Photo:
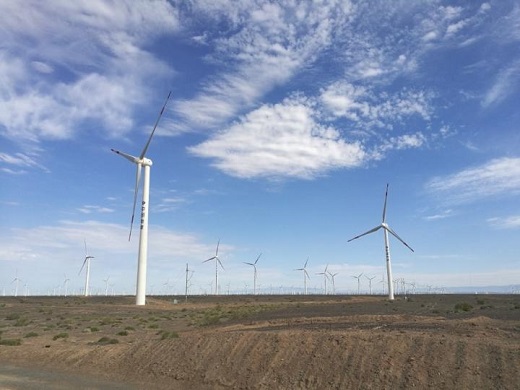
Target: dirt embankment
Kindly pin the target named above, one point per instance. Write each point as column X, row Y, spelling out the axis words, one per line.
column 294, row 345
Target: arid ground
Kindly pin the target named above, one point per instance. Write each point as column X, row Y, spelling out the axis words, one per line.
column 263, row 342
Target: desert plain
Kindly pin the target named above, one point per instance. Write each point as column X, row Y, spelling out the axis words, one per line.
column 429, row 341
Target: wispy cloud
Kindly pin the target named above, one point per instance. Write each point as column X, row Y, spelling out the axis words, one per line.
column 20, row 161
column 499, row 177
column 90, row 64
column 89, row 209
column 511, row 222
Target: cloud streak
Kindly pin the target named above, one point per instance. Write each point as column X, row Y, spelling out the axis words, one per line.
column 496, row 178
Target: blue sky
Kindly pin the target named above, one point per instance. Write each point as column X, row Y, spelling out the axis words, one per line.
column 284, row 126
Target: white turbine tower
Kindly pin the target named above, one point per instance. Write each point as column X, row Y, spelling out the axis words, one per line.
column 386, row 230
column 325, row 277
column 358, row 277
column 142, row 163
column 217, row 262
column 106, row 285
column 255, row 273
column 305, row 275
column 87, row 271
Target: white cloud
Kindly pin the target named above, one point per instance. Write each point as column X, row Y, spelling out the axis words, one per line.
column 19, row 160
column 96, row 51
column 511, row 222
column 499, row 177
column 277, row 141
column 506, row 82
column 268, row 45
column 89, row 209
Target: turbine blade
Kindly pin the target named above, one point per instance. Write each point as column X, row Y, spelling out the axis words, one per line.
column 399, row 238
column 218, row 244
column 364, row 234
column 306, row 274
column 384, row 207
column 136, row 192
column 211, row 258
column 306, row 263
column 154, row 127
column 258, row 258
column 249, row 264
column 220, row 262
column 86, row 253
column 129, row 157
column 81, row 269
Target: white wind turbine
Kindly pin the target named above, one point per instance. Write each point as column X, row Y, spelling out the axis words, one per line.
column 305, row 275
column 386, row 230
column 106, row 285
column 370, row 283
column 325, row 277
column 142, row 163
column 332, row 276
column 87, row 271
column 255, row 273
column 358, row 277
column 217, row 262
column 65, row 284
column 17, row 281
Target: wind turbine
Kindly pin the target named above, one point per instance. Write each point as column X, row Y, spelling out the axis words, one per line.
column 386, row 230
column 255, row 273
column 87, row 272
column 325, row 277
column 65, row 284
column 17, row 281
column 106, row 285
column 142, row 162
column 305, row 275
column 332, row 276
column 217, row 262
column 358, row 277
column 370, row 283
column 188, row 278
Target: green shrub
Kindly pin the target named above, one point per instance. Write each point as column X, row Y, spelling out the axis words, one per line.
column 31, row 334
column 129, row 328
column 106, row 340
column 11, row 342
column 94, row 329
column 13, row 316
column 464, row 306
column 61, row 336
column 169, row 335
column 123, row 333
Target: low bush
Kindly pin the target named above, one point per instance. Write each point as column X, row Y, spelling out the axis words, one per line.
column 31, row 334
column 463, row 306
column 61, row 336
column 11, row 342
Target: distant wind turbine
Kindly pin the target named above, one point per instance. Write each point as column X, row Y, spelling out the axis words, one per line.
column 305, row 275
column 370, row 283
column 358, row 277
column 142, row 162
column 65, row 284
column 106, row 285
column 325, row 277
column 87, row 271
column 16, row 280
column 255, row 273
column 386, row 230
column 332, row 276
column 188, row 277
column 217, row 262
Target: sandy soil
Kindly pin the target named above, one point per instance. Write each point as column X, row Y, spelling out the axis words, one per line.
column 268, row 342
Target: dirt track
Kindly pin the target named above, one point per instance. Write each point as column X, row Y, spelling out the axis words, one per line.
column 289, row 342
